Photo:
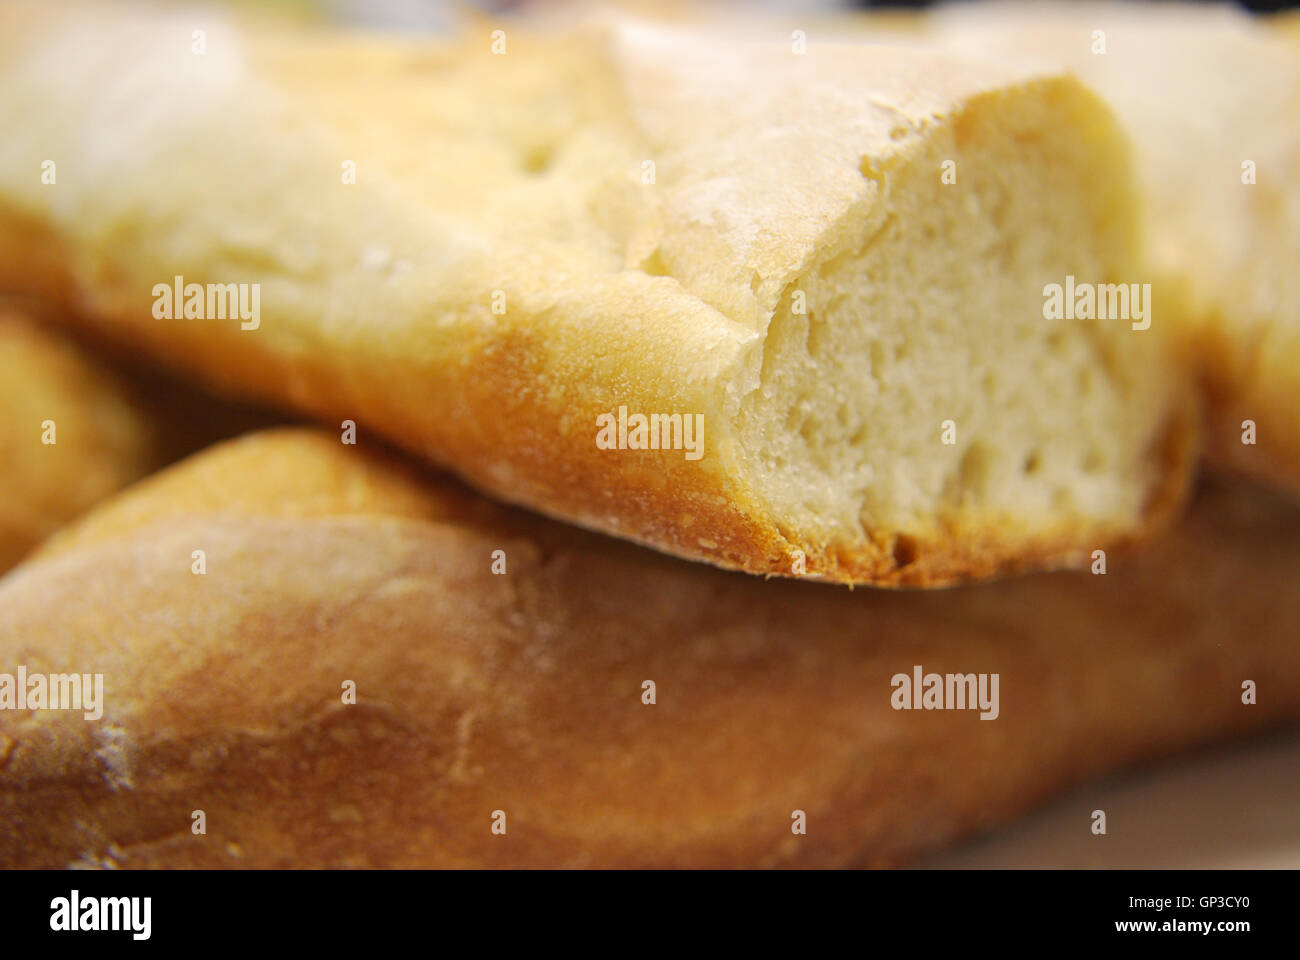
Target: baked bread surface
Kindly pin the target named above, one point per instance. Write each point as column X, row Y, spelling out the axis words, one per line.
column 72, row 432
column 523, row 691
column 79, row 423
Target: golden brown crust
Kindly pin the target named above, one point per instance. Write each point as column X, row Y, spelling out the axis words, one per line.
column 522, row 692
column 109, row 427
column 1252, row 417
column 71, row 432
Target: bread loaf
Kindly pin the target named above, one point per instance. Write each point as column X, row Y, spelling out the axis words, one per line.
column 71, row 433
column 1211, row 96
column 784, row 311
column 521, row 698
column 78, row 424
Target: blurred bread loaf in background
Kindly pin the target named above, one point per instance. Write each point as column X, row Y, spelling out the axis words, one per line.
column 77, row 425
column 71, row 433
column 608, row 706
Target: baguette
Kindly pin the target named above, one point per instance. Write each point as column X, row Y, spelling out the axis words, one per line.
column 524, row 691
column 78, row 423
column 713, row 298
column 71, row 433
column 1204, row 90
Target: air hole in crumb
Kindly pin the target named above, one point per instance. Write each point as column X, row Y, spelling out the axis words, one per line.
column 538, row 159
column 973, row 471
column 879, row 358
column 1032, row 464
column 868, row 171
column 904, row 551
column 654, row 265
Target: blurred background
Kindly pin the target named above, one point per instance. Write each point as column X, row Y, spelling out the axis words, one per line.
column 438, row 14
